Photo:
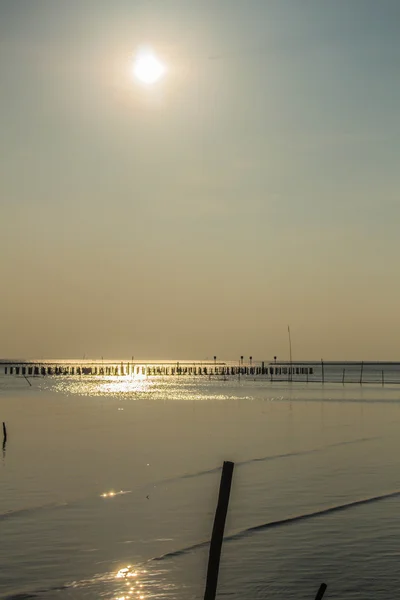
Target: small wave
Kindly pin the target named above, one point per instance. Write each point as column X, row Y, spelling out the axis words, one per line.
column 350, row 442
column 35, row 594
column 199, row 473
column 31, row 509
column 268, row 458
column 21, row 597
column 181, row 551
column 280, row 522
column 54, row 505
column 312, row 515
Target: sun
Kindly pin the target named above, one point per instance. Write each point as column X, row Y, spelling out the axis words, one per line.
column 147, row 68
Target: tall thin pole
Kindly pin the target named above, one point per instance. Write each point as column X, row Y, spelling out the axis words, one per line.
column 4, row 439
column 218, row 531
column 290, row 354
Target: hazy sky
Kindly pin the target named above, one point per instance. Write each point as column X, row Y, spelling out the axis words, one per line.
column 255, row 186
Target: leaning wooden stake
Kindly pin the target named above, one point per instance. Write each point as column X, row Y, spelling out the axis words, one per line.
column 218, row 531
column 321, row 591
column 4, row 433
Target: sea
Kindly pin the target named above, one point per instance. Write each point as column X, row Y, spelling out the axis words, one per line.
column 109, row 485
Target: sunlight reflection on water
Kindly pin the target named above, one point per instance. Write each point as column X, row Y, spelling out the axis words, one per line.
column 140, row 584
column 112, row 494
column 128, row 583
column 157, row 388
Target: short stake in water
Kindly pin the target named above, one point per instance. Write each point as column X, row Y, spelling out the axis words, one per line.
column 218, row 531
column 321, row 591
column 4, row 433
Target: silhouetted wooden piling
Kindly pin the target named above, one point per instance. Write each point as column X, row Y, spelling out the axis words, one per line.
column 218, row 531
column 4, row 433
column 321, row 591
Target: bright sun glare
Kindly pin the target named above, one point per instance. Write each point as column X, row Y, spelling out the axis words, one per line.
column 147, row 68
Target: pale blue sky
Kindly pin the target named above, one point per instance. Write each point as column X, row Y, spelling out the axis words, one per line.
column 257, row 185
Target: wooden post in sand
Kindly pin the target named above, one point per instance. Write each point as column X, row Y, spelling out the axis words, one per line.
column 4, row 433
column 218, row 531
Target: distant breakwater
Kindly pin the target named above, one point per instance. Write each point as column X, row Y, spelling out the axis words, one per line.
column 383, row 373
column 123, row 369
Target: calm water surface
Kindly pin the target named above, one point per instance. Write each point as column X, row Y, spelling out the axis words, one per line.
column 109, row 486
